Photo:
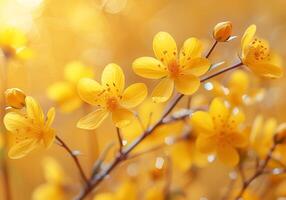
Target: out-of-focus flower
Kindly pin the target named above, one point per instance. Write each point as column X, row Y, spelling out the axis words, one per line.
column 261, row 135
column 54, row 188
column 29, row 128
column 256, row 55
column 237, row 92
column 15, row 98
column 13, row 43
column 64, row 93
column 222, row 31
column 113, row 6
column 127, row 190
column 180, row 71
column 219, row 131
column 111, row 97
column 1, row 141
column 247, row 195
column 184, row 154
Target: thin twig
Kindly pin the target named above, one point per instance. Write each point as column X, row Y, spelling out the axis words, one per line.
column 75, row 158
column 260, row 170
column 120, row 140
column 125, row 152
column 211, row 50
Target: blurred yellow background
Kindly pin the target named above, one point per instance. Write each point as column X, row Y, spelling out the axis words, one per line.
column 98, row 32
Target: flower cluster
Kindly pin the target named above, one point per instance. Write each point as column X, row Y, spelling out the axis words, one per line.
column 194, row 136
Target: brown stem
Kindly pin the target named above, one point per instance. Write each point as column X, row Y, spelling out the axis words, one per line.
column 211, row 50
column 74, row 157
column 125, row 152
column 119, row 139
column 258, row 172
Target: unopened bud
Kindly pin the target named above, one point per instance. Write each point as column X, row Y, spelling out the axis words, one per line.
column 222, row 31
column 15, row 98
column 281, row 133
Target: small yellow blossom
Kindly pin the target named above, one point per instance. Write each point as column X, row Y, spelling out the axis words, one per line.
column 179, row 71
column 256, row 54
column 110, row 97
column 127, row 190
column 29, row 128
column 184, row 155
column 261, row 135
column 15, row 98
column 64, row 93
column 237, row 91
column 13, row 43
column 54, row 188
column 218, row 131
column 222, row 31
column 154, row 193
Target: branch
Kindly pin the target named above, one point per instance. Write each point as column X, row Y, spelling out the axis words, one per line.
column 125, row 152
column 74, row 157
column 119, row 140
column 260, row 170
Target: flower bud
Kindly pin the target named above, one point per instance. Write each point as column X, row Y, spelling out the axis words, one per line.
column 222, row 31
column 15, row 98
column 281, row 133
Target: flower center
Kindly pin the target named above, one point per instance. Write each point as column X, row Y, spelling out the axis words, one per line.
column 112, row 103
column 259, row 50
column 174, row 69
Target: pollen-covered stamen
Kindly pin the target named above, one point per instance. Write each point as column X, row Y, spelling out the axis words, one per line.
column 174, row 69
column 259, row 50
column 112, row 103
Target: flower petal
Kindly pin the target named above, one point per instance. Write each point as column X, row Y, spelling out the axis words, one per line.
column 197, row 66
column 22, row 148
column 187, row 84
column 34, row 111
column 60, row 91
column 236, row 118
column 134, row 95
column 163, row 91
column 92, row 120
column 149, row 67
column 192, row 48
column 90, row 91
column 247, row 38
column 165, row 47
column 238, row 82
column 14, row 121
column 49, row 137
column 227, row 155
column 113, row 77
column 202, row 122
column 267, row 70
column 122, row 117
column 206, row 144
column 218, row 110
column 50, row 117
column 182, row 155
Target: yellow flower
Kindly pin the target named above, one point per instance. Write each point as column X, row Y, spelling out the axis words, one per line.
column 13, row 43
column 238, row 91
column 64, row 93
column 184, row 155
column 154, row 193
column 15, row 98
column 29, row 128
column 127, row 190
column 256, row 54
column 219, row 131
column 261, row 135
column 110, row 97
column 54, row 188
column 179, row 71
